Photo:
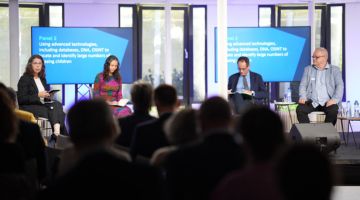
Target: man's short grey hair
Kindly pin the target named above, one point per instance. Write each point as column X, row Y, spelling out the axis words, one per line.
column 323, row 51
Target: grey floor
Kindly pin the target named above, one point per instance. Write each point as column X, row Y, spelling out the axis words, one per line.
column 348, row 153
column 347, row 160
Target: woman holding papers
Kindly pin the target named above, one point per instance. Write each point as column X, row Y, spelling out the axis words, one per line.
column 33, row 95
column 108, row 85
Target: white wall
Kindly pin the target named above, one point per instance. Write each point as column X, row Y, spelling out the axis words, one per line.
column 238, row 16
column 352, row 44
column 352, row 62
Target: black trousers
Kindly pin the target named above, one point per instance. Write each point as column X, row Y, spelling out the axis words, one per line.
column 239, row 104
column 303, row 110
column 52, row 111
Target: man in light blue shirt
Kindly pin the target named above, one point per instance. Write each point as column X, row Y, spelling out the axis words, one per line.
column 321, row 88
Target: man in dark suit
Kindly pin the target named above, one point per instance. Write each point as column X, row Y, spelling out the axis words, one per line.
column 193, row 172
column 141, row 97
column 245, row 87
column 150, row 136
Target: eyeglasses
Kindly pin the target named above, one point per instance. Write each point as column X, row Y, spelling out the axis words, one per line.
column 316, row 57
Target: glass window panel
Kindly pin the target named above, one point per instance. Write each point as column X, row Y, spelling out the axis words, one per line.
column 336, row 35
column 4, row 52
column 153, row 47
column 264, row 16
column 299, row 17
column 28, row 17
column 126, row 16
column 177, row 46
column 56, row 15
column 153, row 35
column 199, row 29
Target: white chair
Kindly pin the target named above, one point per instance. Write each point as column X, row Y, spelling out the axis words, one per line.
column 45, row 126
column 317, row 117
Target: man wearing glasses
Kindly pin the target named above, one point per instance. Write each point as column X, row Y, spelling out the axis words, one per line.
column 246, row 87
column 321, row 88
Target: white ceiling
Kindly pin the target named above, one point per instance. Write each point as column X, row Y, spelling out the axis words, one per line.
column 256, row 2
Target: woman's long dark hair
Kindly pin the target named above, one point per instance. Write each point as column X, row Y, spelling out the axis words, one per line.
column 29, row 70
column 106, row 71
column 8, row 122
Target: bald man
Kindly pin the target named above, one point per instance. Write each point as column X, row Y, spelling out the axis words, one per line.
column 321, row 88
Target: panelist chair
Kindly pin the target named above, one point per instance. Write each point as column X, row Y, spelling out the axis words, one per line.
column 317, row 117
column 45, row 126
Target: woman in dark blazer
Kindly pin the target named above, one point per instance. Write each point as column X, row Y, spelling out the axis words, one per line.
column 33, row 95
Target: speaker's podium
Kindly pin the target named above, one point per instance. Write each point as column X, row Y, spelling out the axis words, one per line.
column 323, row 135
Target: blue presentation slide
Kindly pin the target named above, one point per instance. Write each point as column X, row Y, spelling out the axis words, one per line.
column 76, row 55
column 278, row 54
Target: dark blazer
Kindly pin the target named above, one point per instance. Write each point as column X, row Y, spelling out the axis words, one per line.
column 27, row 92
column 27, row 95
column 193, row 172
column 256, row 84
column 149, row 137
column 30, row 139
column 127, row 126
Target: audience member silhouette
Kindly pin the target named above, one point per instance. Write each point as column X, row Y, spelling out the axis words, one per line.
column 91, row 127
column 150, row 136
column 193, row 172
column 14, row 184
column 141, row 97
column 180, row 130
column 101, row 175
column 305, row 173
column 30, row 139
column 263, row 135
column 100, row 172
column 21, row 114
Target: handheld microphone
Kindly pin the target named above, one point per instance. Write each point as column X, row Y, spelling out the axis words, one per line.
column 308, row 102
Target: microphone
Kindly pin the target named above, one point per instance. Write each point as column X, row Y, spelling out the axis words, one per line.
column 308, row 102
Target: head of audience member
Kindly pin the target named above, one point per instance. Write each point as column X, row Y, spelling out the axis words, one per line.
column 262, row 132
column 35, row 66
column 8, row 122
column 243, row 65
column 165, row 99
column 320, row 57
column 111, row 68
column 141, row 96
column 12, row 95
column 92, row 124
column 305, row 173
column 214, row 114
column 181, row 128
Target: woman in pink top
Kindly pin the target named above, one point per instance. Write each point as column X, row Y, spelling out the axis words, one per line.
column 108, row 85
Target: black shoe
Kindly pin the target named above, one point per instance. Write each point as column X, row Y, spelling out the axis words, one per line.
column 52, row 140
